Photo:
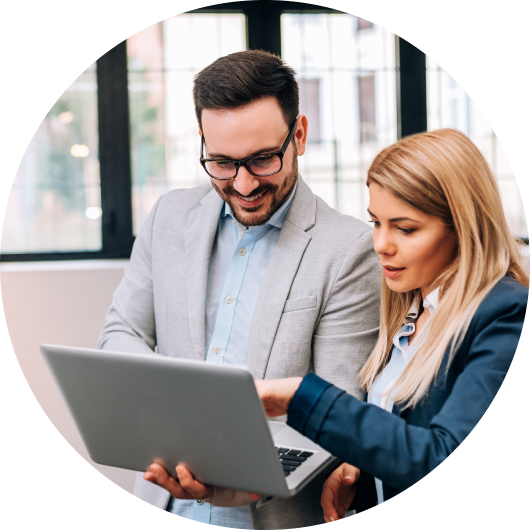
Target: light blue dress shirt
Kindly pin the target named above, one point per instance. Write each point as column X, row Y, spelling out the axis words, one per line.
column 401, row 355
column 238, row 263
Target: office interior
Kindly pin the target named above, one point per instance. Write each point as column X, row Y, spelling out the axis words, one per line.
column 125, row 132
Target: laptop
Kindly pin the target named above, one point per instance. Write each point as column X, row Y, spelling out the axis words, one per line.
column 135, row 409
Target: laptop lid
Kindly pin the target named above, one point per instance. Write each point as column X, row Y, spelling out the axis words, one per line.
column 135, row 409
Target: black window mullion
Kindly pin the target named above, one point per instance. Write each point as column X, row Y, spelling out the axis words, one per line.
column 263, row 26
column 411, row 89
column 114, row 152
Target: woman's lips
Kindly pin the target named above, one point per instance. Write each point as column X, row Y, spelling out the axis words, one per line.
column 392, row 272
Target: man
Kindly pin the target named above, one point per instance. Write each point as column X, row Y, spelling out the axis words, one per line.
column 257, row 270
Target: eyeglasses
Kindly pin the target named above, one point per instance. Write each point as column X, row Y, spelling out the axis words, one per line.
column 263, row 165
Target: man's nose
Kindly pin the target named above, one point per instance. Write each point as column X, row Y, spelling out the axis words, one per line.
column 245, row 182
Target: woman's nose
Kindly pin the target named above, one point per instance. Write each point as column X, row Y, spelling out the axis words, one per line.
column 383, row 242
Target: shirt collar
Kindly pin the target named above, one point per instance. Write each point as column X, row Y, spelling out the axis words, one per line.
column 430, row 302
column 277, row 218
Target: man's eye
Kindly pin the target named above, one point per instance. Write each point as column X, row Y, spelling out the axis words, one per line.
column 223, row 165
column 262, row 161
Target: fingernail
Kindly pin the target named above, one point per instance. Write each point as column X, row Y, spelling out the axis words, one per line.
column 348, row 477
column 154, row 470
column 179, row 471
column 331, row 519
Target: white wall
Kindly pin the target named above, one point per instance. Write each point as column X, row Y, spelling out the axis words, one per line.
column 59, row 303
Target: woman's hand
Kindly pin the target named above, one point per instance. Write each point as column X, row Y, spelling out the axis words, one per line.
column 276, row 394
column 339, row 491
column 188, row 487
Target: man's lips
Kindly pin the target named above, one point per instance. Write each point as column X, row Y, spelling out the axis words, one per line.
column 255, row 200
column 392, row 272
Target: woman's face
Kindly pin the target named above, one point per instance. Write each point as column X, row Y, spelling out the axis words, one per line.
column 413, row 247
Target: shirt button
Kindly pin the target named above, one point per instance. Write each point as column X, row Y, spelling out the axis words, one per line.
column 199, row 501
column 217, row 349
column 234, row 222
column 242, row 251
column 229, row 299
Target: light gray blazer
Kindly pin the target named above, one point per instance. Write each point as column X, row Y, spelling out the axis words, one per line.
column 317, row 308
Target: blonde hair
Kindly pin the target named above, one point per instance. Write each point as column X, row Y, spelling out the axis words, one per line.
column 442, row 173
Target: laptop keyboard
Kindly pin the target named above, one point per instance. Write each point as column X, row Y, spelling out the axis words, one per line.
column 291, row 458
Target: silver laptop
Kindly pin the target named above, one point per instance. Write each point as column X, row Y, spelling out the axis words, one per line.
column 135, row 409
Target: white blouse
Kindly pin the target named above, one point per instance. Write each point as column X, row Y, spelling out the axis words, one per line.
column 401, row 354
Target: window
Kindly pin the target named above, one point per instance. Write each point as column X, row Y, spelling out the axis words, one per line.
column 125, row 132
column 367, row 125
column 363, row 24
column 478, row 85
column 164, row 137
column 310, row 106
column 55, row 201
column 339, row 69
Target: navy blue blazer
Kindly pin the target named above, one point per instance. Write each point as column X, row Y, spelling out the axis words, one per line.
column 402, row 447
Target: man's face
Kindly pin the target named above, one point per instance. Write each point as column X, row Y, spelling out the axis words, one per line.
column 246, row 131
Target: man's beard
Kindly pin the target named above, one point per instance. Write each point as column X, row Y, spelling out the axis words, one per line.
column 279, row 196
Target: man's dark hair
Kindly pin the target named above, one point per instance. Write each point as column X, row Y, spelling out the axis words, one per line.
column 243, row 77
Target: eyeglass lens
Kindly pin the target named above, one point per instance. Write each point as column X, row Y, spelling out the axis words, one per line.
column 262, row 166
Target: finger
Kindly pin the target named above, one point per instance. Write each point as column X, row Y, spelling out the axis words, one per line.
column 350, row 474
column 195, row 488
column 164, row 480
column 149, row 477
column 328, row 501
column 344, row 499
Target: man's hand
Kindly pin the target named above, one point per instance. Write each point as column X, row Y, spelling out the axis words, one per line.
column 339, row 491
column 276, row 394
column 188, row 487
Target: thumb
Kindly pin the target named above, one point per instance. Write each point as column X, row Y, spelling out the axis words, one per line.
column 347, row 479
column 350, row 474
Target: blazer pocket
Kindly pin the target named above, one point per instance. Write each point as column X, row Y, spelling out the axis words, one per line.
column 298, row 304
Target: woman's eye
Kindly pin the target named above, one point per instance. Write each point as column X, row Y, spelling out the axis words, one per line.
column 376, row 223
column 407, row 231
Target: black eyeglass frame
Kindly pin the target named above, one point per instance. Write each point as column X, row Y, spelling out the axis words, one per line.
column 244, row 161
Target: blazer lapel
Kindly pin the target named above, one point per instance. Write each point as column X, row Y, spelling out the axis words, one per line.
column 200, row 235
column 278, row 279
column 398, row 410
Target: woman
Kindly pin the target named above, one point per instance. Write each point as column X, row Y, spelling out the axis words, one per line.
column 454, row 297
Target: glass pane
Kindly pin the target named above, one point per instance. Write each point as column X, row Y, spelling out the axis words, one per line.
column 487, row 97
column 55, row 202
column 163, row 60
column 347, row 76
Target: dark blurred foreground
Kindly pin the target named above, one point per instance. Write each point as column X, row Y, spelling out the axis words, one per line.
column 36, row 491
